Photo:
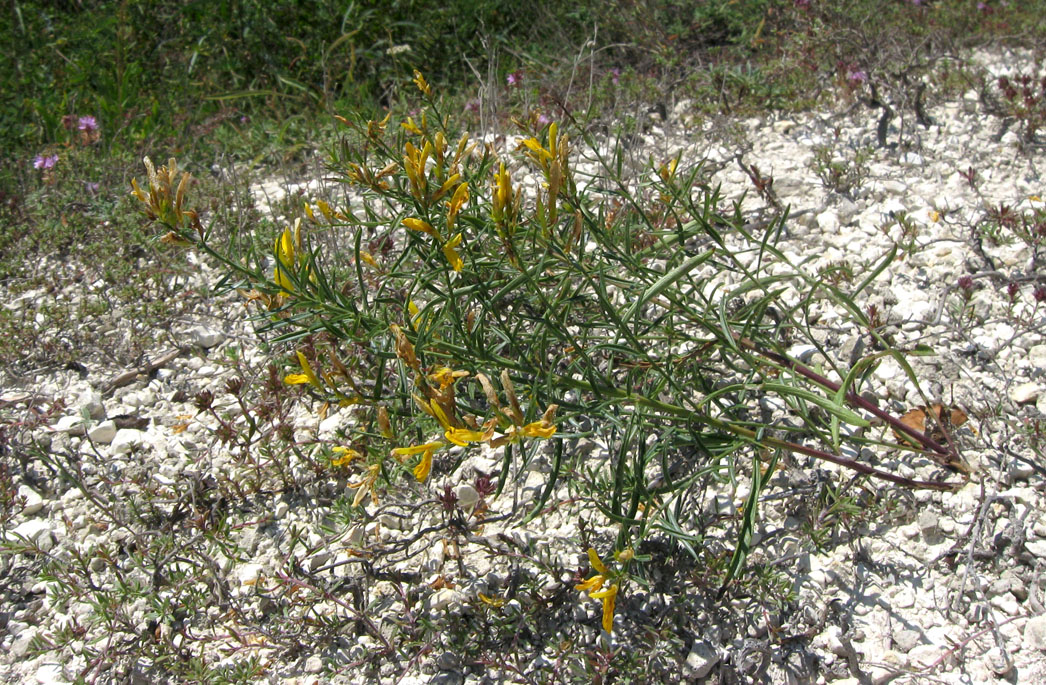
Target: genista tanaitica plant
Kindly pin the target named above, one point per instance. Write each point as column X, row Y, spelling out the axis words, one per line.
column 459, row 305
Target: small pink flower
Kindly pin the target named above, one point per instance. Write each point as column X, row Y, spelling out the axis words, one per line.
column 543, row 120
column 87, row 124
column 615, row 76
column 856, row 76
column 515, row 78
column 45, row 161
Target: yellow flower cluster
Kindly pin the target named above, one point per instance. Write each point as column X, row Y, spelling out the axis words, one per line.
column 165, row 202
column 604, row 585
column 437, row 400
column 555, row 164
column 328, row 385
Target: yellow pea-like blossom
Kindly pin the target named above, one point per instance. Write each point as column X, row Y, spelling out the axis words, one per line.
column 424, row 466
column 594, row 587
column 609, row 598
column 421, row 226
column 502, row 201
column 346, row 455
column 457, row 201
column 287, row 246
column 444, row 376
column 451, row 253
column 307, row 375
column 464, row 436
column 445, row 188
column 422, row 84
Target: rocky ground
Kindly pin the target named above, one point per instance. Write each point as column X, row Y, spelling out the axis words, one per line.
column 935, row 587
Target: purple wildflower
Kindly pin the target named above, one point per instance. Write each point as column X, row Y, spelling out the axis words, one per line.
column 856, row 76
column 45, row 161
column 615, row 75
column 88, row 124
column 543, row 120
column 515, row 78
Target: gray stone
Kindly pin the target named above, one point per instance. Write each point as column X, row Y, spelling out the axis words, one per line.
column 468, row 497
column 444, row 599
column 127, row 439
column 102, row 433
column 205, row 337
column 906, row 640
column 68, row 423
column 36, row 531
column 702, row 659
column 91, row 402
column 928, row 523
column 1035, row 633
column 1037, row 356
column 33, row 502
column 1025, row 393
column 828, row 221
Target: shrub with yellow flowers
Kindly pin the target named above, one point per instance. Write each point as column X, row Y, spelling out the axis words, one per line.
column 479, row 315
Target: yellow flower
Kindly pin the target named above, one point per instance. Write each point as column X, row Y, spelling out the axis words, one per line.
column 308, row 376
column 597, row 563
column 444, row 376
column 410, row 126
column 609, row 597
column 543, row 428
column 287, row 245
column 347, row 455
column 375, row 129
column 463, row 436
column 440, row 415
column 502, row 195
column 424, row 466
column 460, row 197
column 447, row 185
column 422, row 85
column 539, row 429
column 594, row 587
column 421, row 226
column 451, row 253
